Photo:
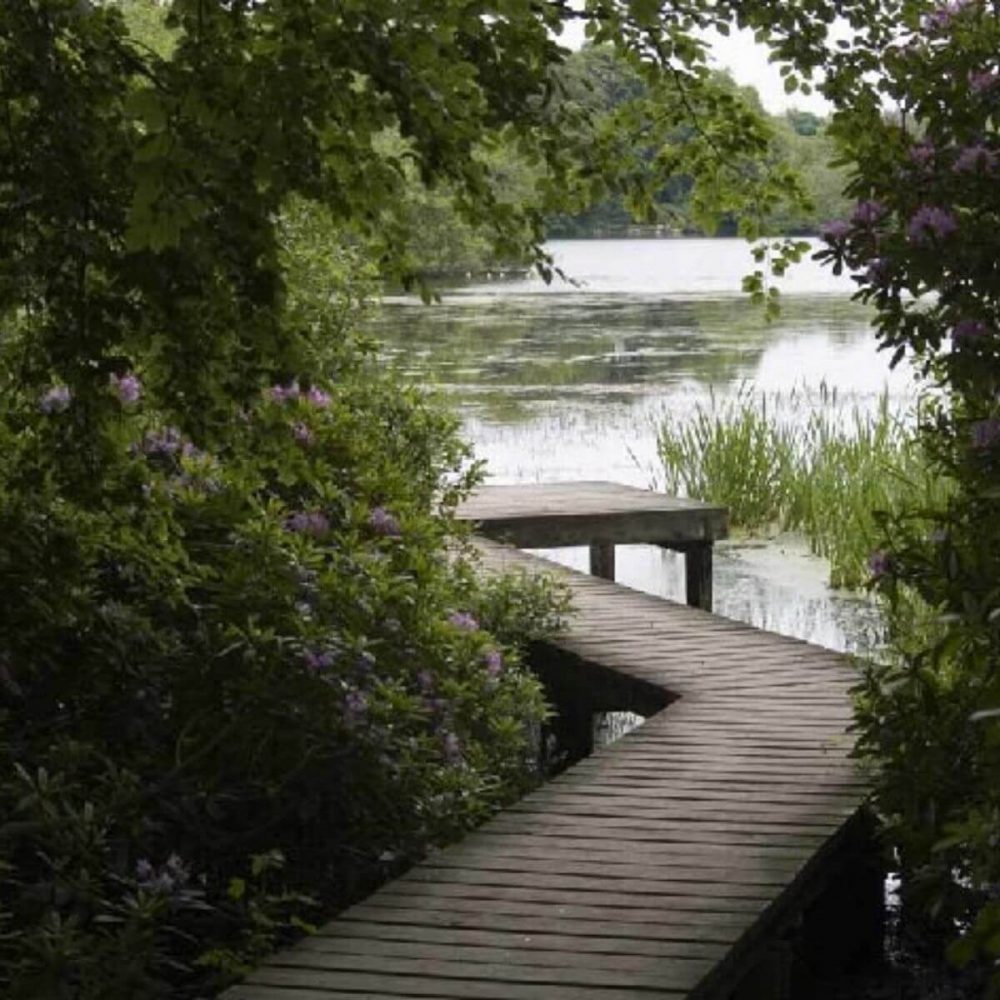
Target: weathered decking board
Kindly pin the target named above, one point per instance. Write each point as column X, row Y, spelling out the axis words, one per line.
column 650, row 869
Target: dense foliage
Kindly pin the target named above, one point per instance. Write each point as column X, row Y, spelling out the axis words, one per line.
column 242, row 653
column 922, row 244
column 602, row 81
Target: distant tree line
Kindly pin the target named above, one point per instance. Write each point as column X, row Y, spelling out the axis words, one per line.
column 601, row 84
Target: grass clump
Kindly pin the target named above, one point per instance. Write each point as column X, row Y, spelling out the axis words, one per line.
column 805, row 462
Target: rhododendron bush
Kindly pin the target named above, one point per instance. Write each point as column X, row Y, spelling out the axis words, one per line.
column 247, row 667
column 922, row 132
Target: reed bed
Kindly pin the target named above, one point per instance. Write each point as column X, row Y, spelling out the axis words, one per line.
column 805, row 462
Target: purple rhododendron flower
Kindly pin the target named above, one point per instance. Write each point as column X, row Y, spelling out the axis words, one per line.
column 355, row 708
column 494, row 663
column 176, row 867
column 982, row 81
column 452, row 748
column 922, row 153
column 127, row 387
column 383, row 523
column 464, row 621
column 877, row 272
column 941, row 17
column 312, row 523
column 879, row 563
column 164, row 880
column 167, row 442
column 985, row 433
column 283, row 393
column 302, row 433
column 318, row 398
column 317, row 661
column 867, row 213
column 973, row 158
column 56, row 399
column 426, row 681
column 931, row 221
column 836, row 231
column 967, row 330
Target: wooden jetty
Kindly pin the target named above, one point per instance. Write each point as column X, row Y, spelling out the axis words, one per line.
column 720, row 850
column 602, row 515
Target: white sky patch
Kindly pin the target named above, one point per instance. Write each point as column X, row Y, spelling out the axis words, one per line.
column 747, row 61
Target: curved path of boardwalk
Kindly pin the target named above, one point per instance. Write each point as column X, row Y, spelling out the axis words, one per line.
column 664, row 865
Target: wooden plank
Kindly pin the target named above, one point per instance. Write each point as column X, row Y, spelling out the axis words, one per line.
column 724, row 883
column 604, row 849
column 709, row 912
column 569, row 955
column 526, row 943
column 468, row 965
column 550, row 920
column 678, row 896
column 374, row 984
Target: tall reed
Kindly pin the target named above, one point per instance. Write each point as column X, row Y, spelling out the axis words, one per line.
column 800, row 461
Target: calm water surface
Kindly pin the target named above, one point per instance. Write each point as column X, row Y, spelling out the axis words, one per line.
column 568, row 381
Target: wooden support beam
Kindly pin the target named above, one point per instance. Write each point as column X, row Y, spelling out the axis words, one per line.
column 602, row 560
column 698, row 574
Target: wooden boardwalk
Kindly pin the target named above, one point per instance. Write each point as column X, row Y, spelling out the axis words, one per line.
column 665, row 865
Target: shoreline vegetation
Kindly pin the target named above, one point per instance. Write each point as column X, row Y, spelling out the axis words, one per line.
column 807, row 462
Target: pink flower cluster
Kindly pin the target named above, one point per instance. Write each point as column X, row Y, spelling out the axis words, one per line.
column 930, row 221
column 316, row 661
column 941, row 17
column 55, row 399
column 383, row 523
column 126, row 387
column 165, row 442
column 836, row 231
column 463, row 621
column 867, row 213
column 985, row 433
column 312, row 523
column 291, row 393
column 976, row 158
column 494, row 663
column 982, row 81
column 968, row 331
column 922, row 154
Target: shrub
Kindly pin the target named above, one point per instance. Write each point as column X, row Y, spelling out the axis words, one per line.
column 922, row 245
column 245, row 656
column 213, row 656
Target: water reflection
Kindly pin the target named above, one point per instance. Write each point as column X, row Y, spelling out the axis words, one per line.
column 558, row 382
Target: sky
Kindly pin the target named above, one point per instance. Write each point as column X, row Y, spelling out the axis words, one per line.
column 747, row 62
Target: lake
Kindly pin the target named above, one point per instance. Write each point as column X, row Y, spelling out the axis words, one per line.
column 567, row 381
